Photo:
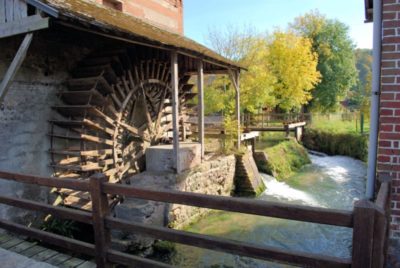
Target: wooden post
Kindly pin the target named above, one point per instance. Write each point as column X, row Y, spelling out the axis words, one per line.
column 175, row 107
column 100, row 210
column 363, row 234
column 235, row 80
column 14, row 66
column 380, row 233
column 200, row 87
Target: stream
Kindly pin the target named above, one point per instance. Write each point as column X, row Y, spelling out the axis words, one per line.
column 329, row 182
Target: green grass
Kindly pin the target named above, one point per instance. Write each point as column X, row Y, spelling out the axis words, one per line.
column 339, row 123
column 285, row 156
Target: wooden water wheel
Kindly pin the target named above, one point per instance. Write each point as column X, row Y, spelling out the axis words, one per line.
column 115, row 106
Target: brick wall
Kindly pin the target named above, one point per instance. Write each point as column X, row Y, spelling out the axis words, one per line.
column 389, row 119
column 167, row 14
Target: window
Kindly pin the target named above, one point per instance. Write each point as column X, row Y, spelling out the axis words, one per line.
column 114, row 4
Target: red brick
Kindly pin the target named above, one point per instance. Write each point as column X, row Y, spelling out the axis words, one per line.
column 389, row 79
column 388, row 64
column 389, row 136
column 387, row 48
column 382, row 151
column 385, row 144
column 390, row 104
column 389, row 16
column 390, row 88
column 386, row 128
column 383, row 159
column 389, row 120
column 391, row 24
column 386, row 112
column 388, row 96
column 393, row 55
column 393, row 7
column 389, row 32
column 390, row 72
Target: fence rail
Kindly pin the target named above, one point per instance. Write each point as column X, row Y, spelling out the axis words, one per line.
column 369, row 222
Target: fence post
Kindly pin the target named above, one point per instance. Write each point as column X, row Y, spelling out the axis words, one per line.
column 100, row 209
column 363, row 233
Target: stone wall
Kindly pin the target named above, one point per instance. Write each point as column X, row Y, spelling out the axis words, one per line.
column 25, row 113
column 214, row 177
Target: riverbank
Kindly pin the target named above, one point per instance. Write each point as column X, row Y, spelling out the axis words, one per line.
column 282, row 158
column 331, row 143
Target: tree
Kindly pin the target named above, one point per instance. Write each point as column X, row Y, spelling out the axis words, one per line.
column 336, row 63
column 249, row 48
column 293, row 65
column 281, row 71
column 358, row 96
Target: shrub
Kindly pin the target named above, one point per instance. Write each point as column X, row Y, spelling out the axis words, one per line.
column 348, row 144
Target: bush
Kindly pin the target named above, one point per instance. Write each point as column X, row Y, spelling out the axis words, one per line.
column 348, row 144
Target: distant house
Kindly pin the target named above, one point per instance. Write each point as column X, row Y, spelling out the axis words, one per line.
column 388, row 146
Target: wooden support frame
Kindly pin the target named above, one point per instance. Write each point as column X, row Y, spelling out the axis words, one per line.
column 14, row 66
column 200, row 94
column 23, row 25
column 234, row 76
column 175, row 107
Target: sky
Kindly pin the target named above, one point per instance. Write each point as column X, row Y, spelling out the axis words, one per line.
column 267, row 15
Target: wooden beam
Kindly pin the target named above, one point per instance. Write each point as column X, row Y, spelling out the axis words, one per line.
column 25, row 25
column 14, row 67
column 200, row 94
column 175, row 107
column 2, row 11
column 234, row 75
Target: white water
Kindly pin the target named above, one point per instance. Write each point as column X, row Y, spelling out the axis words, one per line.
column 331, row 182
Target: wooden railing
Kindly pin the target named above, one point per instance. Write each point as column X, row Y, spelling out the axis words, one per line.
column 369, row 222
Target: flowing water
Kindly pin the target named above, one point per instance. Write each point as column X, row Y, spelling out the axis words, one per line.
column 329, row 182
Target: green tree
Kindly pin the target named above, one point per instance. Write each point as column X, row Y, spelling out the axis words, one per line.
column 293, row 65
column 336, row 63
column 358, row 96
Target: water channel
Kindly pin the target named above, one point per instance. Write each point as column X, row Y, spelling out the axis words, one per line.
column 330, row 182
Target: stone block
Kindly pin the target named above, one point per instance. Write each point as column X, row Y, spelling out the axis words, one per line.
column 160, row 158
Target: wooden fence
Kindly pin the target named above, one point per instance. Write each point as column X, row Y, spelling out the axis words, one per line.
column 369, row 221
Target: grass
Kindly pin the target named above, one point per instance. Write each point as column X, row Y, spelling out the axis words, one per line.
column 339, row 123
column 285, row 156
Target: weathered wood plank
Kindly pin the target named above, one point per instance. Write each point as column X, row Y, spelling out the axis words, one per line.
column 363, row 234
column 22, row 247
column 200, row 110
column 9, row 8
column 2, row 11
column 43, row 181
column 231, row 246
column 11, row 243
column 58, row 240
column 72, row 262
column 23, row 8
column 32, row 251
column 44, row 255
column 4, row 238
column 53, row 210
column 133, row 261
column 23, row 25
column 14, row 66
column 175, row 108
column 58, row 259
column 100, row 210
column 87, row 264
